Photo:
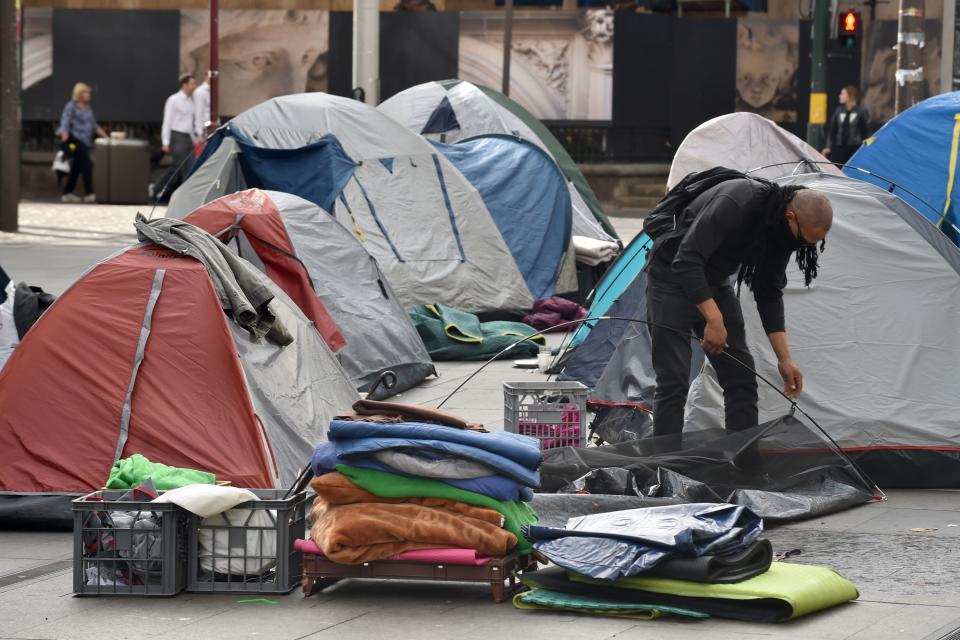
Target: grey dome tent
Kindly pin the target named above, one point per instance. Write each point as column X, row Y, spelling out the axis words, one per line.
column 408, row 205
column 454, row 110
column 308, row 254
column 875, row 334
column 747, row 142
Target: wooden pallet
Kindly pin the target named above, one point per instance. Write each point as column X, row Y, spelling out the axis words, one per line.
column 320, row 573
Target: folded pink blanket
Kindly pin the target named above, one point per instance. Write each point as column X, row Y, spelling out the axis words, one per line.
column 465, row 557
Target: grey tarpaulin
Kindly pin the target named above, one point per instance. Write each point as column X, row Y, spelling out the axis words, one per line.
column 782, row 469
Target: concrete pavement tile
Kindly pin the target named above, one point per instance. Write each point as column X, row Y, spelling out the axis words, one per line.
column 903, row 522
column 911, row 622
column 10, row 566
column 939, row 500
column 842, row 521
column 39, row 545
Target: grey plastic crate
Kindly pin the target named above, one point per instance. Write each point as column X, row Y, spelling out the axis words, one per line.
column 552, row 412
column 128, row 548
column 251, row 548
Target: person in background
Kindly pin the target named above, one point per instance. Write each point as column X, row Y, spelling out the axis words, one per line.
column 201, row 105
column 849, row 127
column 78, row 128
column 179, row 131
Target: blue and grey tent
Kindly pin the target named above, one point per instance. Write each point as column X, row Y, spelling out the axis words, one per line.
column 409, row 206
column 875, row 335
column 915, row 156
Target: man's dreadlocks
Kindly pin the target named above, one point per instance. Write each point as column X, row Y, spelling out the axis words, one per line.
column 774, row 228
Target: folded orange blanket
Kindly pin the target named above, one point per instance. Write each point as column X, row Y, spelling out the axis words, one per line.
column 351, row 525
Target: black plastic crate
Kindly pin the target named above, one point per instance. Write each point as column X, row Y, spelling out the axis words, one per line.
column 249, row 548
column 128, row 548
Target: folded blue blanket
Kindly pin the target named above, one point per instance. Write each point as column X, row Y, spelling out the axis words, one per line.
column 523, row 450
column 353, row 449
column 325, row 459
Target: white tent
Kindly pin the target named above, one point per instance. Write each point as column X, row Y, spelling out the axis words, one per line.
column 745, row 141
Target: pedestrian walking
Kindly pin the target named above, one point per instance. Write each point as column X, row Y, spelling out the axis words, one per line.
column 78, row 128
column 179, row 132
column 849, row 127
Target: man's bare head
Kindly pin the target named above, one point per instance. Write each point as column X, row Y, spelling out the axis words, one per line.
column 810, row 215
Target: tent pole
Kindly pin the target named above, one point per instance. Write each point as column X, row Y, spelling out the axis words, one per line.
column 507, row 45
column 213, row 75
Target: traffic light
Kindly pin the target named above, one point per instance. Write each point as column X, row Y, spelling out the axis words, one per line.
column 848, row 30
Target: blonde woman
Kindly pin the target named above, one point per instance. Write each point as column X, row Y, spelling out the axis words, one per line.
column 78, row 127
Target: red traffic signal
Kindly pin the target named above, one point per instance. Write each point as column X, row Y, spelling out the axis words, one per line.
column 848, row 29
column 849, row 22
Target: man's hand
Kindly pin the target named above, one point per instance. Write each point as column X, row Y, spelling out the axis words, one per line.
column 64, row 136
column 714, row 336
column 166, row 148
column 792, row 378
column 826, row 151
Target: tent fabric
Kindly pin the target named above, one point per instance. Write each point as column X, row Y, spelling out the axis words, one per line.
column 762, row 148
column 326, row 270
column 475, row 110
column 915, row 155
column 527, row 196
column 421, row 219
column 883, row 304
column 546, row 600
column 63, row 408
column 782, row 470
column 884, row 299
column 283, row 170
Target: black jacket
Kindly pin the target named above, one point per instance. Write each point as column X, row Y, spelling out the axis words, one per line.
column 848, row 128
column 717, row 242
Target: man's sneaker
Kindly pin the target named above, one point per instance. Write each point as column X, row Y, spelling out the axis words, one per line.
column 90, row 197
column 71, row 198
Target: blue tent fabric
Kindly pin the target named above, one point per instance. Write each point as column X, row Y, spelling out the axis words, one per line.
column 317, row 172
column 527, row 195
column 913, row 152
column 443, row 119
column 615, row 282
column 387, row 164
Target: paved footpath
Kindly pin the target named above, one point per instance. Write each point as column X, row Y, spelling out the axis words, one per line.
column 908, row 580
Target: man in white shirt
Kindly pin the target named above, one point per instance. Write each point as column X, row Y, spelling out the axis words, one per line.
column 179, row 132
column 201, row 104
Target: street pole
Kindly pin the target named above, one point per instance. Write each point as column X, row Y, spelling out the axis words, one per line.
column 9, row 114
column 507, row 44
column 816, row 127
column 910, row 41
column 213, row 75
column 366, row 49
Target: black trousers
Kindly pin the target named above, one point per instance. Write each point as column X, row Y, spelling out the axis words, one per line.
column 671, row 351
column 80, row 166
column 181, row 156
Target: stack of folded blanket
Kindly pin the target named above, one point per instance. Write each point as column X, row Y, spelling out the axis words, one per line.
column 696, row 560
column 398, row 478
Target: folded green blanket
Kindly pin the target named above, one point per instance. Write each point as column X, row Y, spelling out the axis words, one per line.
column 390, row 485
column 546, row 600
column 452, row 334
column 131, row 472
column 802, row 589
